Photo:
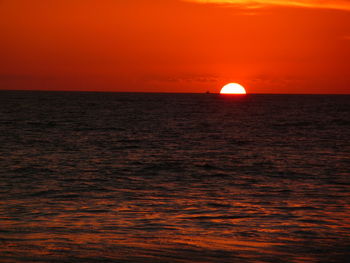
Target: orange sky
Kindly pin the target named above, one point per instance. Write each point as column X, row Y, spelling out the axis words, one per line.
column 272, row 46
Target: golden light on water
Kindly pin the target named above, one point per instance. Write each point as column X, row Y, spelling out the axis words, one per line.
column 233, row 88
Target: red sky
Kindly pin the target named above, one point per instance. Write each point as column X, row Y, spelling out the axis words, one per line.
column 271, row 46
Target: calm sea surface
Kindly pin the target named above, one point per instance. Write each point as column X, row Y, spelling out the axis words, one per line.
column 122, row 177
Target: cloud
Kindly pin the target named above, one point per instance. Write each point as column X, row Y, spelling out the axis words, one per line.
column 324, row 4
column 182, row 78
column 8, row 77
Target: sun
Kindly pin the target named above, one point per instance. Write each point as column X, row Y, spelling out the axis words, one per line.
column 233, row 88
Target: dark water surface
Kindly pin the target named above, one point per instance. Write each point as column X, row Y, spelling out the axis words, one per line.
column 108, row 177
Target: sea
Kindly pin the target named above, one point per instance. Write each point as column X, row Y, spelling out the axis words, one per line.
column 174, row 178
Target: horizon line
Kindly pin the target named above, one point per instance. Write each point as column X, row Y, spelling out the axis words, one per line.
column 168, row 92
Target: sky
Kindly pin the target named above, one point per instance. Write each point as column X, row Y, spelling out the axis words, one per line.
column 272, row 46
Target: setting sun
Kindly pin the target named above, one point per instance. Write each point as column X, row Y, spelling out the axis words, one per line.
column 233, row 88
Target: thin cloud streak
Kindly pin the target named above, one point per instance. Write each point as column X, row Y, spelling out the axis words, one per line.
column 324, row 4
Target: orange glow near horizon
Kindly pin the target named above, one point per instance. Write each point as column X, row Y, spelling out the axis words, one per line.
column 233, row 88
column 274, row 46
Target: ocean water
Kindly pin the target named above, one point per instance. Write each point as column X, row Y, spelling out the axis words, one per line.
column 132, row 177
